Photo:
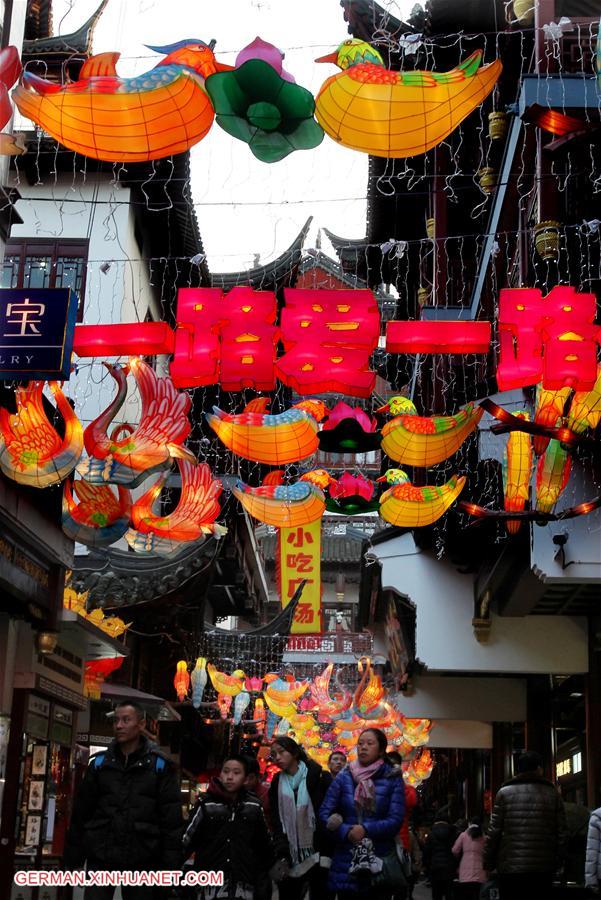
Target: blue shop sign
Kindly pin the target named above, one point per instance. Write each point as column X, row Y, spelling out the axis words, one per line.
column 37, row 328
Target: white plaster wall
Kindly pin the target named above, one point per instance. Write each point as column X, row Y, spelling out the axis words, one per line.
column 486, row 699
column 461, row 734
column 444, row 600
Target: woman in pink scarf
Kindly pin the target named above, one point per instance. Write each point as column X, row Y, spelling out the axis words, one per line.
column 366, row 800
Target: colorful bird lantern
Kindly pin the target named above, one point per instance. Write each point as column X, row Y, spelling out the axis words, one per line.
column 259, row 714
column 286, row 506
column 241, row 702
column 271, row 439
column 226, row 685
column 199, row 679
column 224, row 702
column 424, row 441
column 329, row 339
column 585, row 408
column 96, row 671
column 552, row 475
column 549, row 412
column 261, row 105
column 100, row 518
column 148, row 448
column 352, row 495
column 397, row 114
column 193, row 519
column 181, row 680
column 104, row 116
column 409, row 506
column 31, row 450
column 349, row 429
column 517, row 470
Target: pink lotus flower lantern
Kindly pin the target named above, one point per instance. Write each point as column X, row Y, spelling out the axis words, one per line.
column 260, row 49
column 343, row 411
column 352, row 486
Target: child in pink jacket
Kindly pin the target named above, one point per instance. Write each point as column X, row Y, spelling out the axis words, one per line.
column 469, row 848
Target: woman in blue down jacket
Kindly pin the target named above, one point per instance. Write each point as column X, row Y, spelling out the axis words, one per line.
column 367, row 799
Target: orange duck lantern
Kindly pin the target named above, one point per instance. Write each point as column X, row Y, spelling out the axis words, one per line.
column 286, row 505
column 370, row 108
column 275, row 440
column 105, row 116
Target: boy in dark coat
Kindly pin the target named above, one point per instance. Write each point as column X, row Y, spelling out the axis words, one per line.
column 127, row 813
column 438, row 858
column 228, row 833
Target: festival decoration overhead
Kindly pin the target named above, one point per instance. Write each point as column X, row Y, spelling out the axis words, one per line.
column 105, row 116
column 96, row 671
column 349, row 429
column 10, row 69
column 100, row 518
column 275, row 440
column 408, row 506
column 370, row 108
column 552, row 475
column 286, row 505
column 192, row 519
column 257, row 102
column 181, row 680
column 425, row 440
column 352, row 495
column 31, row 450
column 517, row 470
column 151, row 445
column 199, row 679
column 549, row 411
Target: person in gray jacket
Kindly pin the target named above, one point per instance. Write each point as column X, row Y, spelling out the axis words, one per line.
column 592, row 866
column 527, row 833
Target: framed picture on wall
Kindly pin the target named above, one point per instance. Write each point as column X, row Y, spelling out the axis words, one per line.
column 33, row 828
column 38, row 759
column 36, row 795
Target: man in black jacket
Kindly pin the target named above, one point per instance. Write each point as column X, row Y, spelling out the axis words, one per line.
column 127, row 812
column 527, row 833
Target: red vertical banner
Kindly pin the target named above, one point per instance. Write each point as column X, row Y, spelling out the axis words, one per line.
column 300, row 559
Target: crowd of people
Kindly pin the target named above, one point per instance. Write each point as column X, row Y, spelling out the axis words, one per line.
column 342, row 834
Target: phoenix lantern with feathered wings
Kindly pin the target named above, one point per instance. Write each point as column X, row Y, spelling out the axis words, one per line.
column 148, row 448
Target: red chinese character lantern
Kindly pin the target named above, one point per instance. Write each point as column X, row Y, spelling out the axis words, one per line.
column 328, row 338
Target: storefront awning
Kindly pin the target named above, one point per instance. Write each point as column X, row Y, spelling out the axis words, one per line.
column 159, row 709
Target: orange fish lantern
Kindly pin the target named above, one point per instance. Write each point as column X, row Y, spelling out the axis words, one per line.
column 408, row 506
column 286, row 506
column 193, row 519
column 151, row 445
column 275, row 440
column 100, row 518
column 517, row 469
column 419, row 769
column 105, row 116
column 425, row 440
column 181, row 680
column 31, row 450
column 370, row 108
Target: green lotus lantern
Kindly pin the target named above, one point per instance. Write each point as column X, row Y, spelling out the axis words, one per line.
column 259, row 103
